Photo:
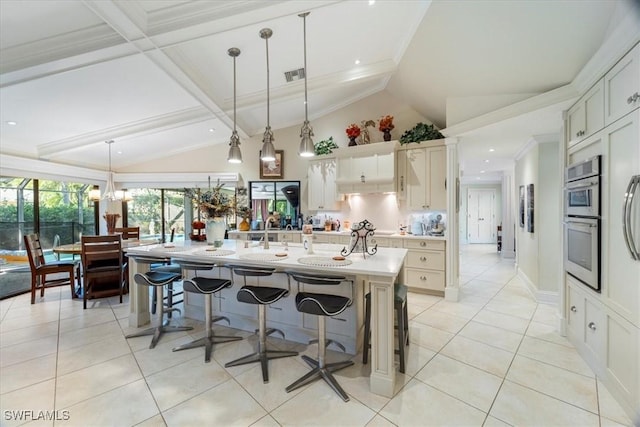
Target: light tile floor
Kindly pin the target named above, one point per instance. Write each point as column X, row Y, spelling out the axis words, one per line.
column 492, row 359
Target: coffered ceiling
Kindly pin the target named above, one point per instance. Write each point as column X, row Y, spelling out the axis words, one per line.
column 154, row 75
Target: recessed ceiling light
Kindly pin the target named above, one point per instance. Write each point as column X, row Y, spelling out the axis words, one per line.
column 486, row 161
column 211, row 130
column 491, row 150
column 12, row 123
column 357, row 61
column 481, row 171
column 372, row 2
column 119, row 152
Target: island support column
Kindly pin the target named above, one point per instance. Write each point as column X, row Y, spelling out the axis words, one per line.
column 138, row 296
column 383, row 371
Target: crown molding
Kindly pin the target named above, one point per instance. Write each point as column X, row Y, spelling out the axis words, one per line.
column 535, row 140
column 40, row 169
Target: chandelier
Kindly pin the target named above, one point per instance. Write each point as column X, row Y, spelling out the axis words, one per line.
column 110, row 192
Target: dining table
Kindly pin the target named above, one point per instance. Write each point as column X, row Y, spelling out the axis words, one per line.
column 377, row 272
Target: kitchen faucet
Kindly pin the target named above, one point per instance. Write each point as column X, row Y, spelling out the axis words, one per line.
column 267, row 226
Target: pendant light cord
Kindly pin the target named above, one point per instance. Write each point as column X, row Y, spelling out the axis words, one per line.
column 304, row 31
column 234, row 93
column 268, row 121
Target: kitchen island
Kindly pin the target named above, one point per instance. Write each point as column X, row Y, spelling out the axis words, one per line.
column 376, row 274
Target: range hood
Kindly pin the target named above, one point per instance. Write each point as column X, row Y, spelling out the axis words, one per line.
column 366, row 169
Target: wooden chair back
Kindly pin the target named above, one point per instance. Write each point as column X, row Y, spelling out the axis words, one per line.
column 128, row 232
column 34, row 251
column 102, row 260
column 40, row 269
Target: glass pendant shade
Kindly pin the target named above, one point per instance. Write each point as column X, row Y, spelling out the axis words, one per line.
column 268, row 153
column 110, row 192
column 235, row 155
column 306, row 148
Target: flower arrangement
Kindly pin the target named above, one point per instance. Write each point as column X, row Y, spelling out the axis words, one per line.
column 244, row 212
column 353, row 131
column 386, row 123
column 111, row 219
column 213, row 202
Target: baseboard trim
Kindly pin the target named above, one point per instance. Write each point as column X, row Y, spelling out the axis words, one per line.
column 541, row 297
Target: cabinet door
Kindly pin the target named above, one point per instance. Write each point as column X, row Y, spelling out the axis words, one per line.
column 436, row 178
column 416, row 179
column 595, row 328
column 575, row 123
column 622, row 87
column 594, row 108
column 401, row 178
column 621, row 274
column 575, row 311
column 623, row 360
column 322, row 186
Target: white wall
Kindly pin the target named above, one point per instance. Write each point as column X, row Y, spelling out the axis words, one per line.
column 539, row 253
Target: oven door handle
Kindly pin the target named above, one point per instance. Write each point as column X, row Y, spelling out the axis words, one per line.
column 580, row 224
column 627, row 208
column 581, row 184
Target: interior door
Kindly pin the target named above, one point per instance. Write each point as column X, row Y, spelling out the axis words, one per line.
column 480, row 216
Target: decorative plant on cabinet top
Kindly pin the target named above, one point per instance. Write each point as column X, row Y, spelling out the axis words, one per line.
column 325, row 146
column 420, row 132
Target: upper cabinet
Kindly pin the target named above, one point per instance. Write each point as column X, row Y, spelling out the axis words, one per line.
column 322, row 185
column 587, row 115
column 422, row 178
column 622, row 86
column 366, row 168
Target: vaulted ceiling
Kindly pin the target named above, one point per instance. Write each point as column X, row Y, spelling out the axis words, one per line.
column 155, row 74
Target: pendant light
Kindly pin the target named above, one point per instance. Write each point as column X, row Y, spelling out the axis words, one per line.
column 306, row 148
column 268, row 150
column 235, row 156
column 110, row 192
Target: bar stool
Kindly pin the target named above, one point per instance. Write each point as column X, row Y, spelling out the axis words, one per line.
column 402, row 318
column 261, row 296
column 321, row 305
column 158, row 279
column 205, row 286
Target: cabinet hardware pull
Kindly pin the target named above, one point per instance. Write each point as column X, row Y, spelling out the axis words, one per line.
column 423, row 259
column 338, row 318
column 423, row 244
column 573, row 308
column 592, row 326
column 633, row 98
column 423, row 278
column 275, row 308
column 402, row 183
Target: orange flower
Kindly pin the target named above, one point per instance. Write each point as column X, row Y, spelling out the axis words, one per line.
column 386, row 123
column 353, row 131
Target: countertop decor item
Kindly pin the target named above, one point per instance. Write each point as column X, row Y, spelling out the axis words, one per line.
column 325, row 146
column 214, row 202
column 111, row 219
column 364, row 124
column 360, row 234
column 420, row 132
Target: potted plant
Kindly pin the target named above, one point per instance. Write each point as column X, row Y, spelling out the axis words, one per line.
column 386, row 126
column 420, row 132
column 325, row 146
column 353, row 131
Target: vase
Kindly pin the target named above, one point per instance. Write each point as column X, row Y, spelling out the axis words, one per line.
column 215, row 230
column 386, row 134
column 352, row 141
column 244, row 225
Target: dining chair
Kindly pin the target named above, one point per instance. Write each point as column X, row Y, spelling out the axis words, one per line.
column 128, row 232
column 103, row 265
column 48, row 274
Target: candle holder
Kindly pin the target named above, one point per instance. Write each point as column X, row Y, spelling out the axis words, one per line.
column 359, row 236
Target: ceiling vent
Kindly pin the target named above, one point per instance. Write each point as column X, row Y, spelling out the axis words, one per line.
column 294, row 75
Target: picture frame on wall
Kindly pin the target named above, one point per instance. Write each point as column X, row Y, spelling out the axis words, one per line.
column 521, row 211
column 273, row 169
column 530, row 205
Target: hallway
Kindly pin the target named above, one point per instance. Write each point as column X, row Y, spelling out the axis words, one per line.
column 492, row 359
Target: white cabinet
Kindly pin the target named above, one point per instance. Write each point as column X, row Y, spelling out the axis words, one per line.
column 366, row 174
column 422, row 178
column 620, row 273
column 587, row 115
column 425, row 265
column 622, row 87
column 322, row 186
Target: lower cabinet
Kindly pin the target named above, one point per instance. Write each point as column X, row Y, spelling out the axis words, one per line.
column 609, row 344
column 425, row 265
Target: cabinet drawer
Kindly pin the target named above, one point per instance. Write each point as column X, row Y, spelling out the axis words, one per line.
column 432, row 260
column 594, row 328
column 289, row 237
column 435, row 245
column 424, row 279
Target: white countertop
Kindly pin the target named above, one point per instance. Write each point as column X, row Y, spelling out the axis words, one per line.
column 344, row 233
column 386, row 262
